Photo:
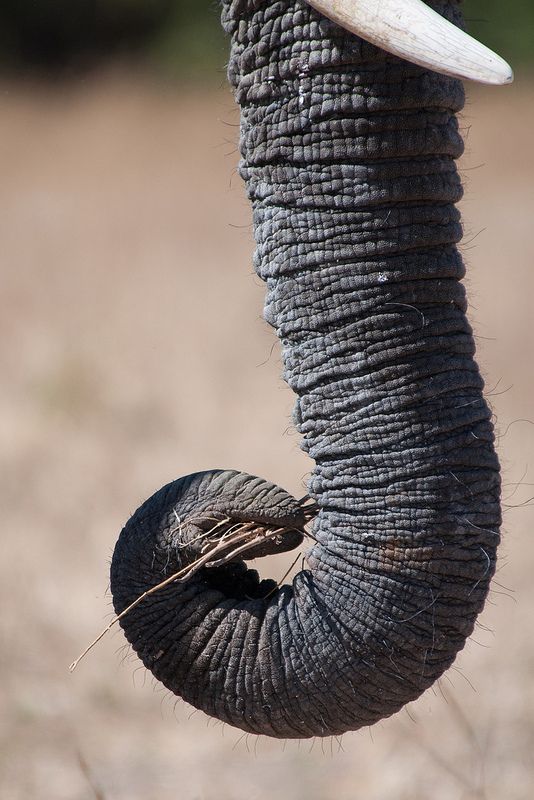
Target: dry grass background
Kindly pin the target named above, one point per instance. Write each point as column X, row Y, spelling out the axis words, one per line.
column 133, row 351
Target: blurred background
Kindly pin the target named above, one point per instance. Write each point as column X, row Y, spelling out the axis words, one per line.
column 133, row 351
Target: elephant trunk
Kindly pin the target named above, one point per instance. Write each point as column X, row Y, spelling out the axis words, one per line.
column 348, row 157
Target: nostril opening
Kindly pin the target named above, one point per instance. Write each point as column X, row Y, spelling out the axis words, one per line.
column 235, row 581
column 282, row 542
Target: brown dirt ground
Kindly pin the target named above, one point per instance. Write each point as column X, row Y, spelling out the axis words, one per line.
column 133, row 351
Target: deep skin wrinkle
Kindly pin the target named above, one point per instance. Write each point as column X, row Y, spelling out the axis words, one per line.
column 348, row 155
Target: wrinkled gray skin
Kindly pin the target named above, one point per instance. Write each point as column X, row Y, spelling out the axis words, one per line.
column 348, row 157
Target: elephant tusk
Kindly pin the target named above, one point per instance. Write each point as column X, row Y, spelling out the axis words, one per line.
column 413, row 31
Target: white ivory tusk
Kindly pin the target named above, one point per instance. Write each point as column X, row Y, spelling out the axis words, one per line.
column 412, row 30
